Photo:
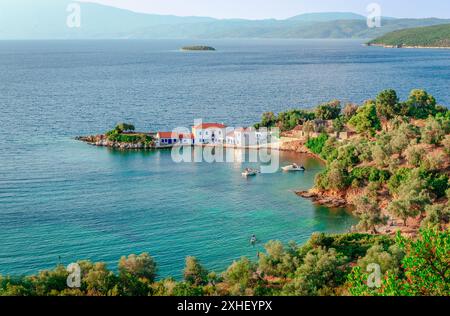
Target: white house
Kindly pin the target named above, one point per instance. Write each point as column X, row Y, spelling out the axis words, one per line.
column 187, row 139
column 209, row 133
column 243, row 137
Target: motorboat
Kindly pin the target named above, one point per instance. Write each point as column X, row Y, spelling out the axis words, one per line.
column 293, row 167
column 249, row 172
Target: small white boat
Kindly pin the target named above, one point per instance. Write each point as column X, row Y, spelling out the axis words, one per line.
column 293, row 167
column 249, row 172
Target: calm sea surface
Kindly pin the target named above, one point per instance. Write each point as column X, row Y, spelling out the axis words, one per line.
column 64, row 199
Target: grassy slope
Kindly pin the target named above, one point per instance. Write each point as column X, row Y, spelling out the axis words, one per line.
column 431, row 36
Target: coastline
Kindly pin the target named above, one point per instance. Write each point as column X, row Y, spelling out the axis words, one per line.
column 407, row 47
column 330, row 199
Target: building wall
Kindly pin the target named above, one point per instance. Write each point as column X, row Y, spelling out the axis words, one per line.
column 205, row 135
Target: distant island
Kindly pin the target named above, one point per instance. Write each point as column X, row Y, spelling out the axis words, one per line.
column 437, row 36
column 198, row 48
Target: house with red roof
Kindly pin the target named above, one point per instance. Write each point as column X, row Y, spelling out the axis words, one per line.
column 170, row 139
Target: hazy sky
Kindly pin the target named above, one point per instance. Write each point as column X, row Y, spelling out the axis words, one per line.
column 258, row 9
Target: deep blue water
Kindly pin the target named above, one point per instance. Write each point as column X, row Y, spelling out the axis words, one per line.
column 62, row 198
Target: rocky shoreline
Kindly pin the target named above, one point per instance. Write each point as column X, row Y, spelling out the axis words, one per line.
column 323, row 199
column 344, row 200
column 102, row 141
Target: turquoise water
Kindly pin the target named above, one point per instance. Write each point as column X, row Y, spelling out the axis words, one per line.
column 61, row 198
column 100, row 204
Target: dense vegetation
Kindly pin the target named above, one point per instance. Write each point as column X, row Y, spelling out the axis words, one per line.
column 397, row 163
column 118, row 134
column 431, row 36
column 325, row 265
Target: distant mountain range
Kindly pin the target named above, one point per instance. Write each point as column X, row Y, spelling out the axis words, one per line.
column 46, row 19
column 431, row 36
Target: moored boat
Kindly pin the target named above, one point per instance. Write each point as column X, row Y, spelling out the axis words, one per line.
column 293, row 167
column 248, row 172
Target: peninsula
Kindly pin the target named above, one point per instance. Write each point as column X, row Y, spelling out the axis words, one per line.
column 437, row 36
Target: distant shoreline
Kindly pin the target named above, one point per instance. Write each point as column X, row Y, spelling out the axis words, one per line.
column 408, row 47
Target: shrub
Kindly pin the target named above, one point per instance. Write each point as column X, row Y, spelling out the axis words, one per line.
column 399, row 177
column 433, row 132
column 366, row 120
column 446, row 144
column 415, row 154
column 328, row 111
column 337, row 176
column 316, row 144
column 370, row 174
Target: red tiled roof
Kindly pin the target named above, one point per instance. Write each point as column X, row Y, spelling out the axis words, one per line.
column 174, row 135
column 191, row 136
column 167, row 135
column 209, row 125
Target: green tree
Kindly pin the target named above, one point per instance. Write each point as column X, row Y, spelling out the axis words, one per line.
column 387, row 105
column 369, row 213
column 338, row 124
column 320, row 272
column 328, row 111
column 96, row 279
column 425, row 269
column 446, row 144
column 337, row 176
column 436, row 216
column 421, row 104
column 278, row 261
column 194, row 273
column 389, row 260
column 366, row 120
column 415, row 154
column 268, row 120
column 433, row 132
column 241, row 277
column 411, row 199
column 317, row 144
column 402, row 137
column 136, row 273
column 124, row 127
column 349, row 111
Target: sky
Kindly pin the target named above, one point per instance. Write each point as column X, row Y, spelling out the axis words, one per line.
column 280, row 9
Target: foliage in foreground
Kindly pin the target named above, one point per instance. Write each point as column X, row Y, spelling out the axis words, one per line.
column 325, row 265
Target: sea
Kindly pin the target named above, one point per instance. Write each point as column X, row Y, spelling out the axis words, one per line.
column 63, row 201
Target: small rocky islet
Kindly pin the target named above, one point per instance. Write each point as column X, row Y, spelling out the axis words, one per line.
column 198, row 48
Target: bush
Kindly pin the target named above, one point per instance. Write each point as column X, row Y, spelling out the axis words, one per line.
column 366, row 120
column 433, row 132
column 399, row 177
column 370, row 174
column 436, row 183
column 415, row 154
column 328, row 111
column 316, row 144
